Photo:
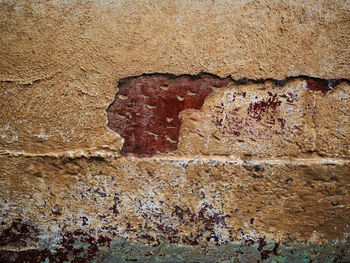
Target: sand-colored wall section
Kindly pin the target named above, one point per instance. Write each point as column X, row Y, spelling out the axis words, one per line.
column 205, row 200
column 258, row 168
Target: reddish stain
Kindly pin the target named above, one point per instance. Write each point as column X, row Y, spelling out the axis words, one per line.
column 114, row 208
column 233, row 122
column 146, row 109
column 317, row 85
column 18, row 234
column 264, row 108
column 282, row 122
column 206, row 221
column 291, row 98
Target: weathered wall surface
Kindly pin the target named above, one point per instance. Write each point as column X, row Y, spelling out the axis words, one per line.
column 116, row 147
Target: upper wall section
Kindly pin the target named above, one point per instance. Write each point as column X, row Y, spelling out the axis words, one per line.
column 251, row 39
column 60, row 61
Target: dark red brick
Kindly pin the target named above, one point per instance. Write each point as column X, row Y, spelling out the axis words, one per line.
column 146, row 109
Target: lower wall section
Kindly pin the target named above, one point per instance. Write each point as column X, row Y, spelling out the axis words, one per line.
column 105, row 209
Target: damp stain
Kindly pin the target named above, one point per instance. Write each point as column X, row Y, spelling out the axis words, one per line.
column 88, row 246
column 74, row 246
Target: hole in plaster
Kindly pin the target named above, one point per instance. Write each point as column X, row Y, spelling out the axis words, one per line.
column 154, row 127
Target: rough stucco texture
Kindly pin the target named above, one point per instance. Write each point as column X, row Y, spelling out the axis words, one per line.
column 174, row 131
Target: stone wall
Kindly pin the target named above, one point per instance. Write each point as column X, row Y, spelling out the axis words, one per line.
column 174, row 131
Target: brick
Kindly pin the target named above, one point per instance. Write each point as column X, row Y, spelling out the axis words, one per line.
column 146, row 109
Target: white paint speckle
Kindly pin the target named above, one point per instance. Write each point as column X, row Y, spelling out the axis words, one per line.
column 42, row 135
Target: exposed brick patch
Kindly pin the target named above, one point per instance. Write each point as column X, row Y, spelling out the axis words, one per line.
column 146, row 109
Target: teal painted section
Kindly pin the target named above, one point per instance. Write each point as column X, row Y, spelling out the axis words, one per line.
column 125, row 251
